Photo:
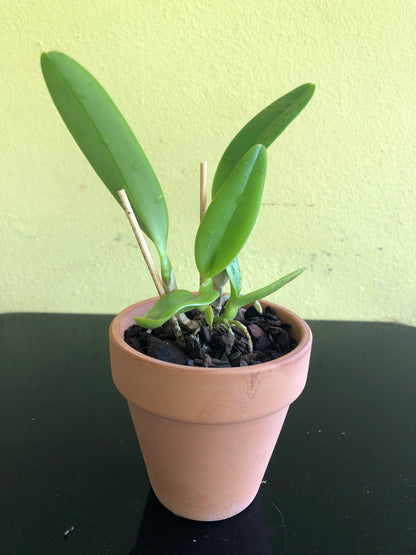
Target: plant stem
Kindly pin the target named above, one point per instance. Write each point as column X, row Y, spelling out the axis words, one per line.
column 219, row 281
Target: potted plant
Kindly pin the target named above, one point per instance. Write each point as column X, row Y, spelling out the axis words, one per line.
column 208, row 381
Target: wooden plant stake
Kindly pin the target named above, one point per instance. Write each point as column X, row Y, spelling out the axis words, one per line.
column 138, row 233
column 122, row 195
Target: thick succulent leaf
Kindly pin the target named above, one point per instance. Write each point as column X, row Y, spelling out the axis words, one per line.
column 209, row 316
column 234, row 303
column 107, row 141
column 263, row 129
column 175, row 302
column 234, row 275
column 231, row 215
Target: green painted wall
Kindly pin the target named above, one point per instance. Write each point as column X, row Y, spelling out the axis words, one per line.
column 340, row 195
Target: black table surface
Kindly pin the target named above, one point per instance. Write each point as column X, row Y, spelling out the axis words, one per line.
column 341, row 479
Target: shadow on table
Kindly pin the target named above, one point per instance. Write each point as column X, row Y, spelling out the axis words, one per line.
column 163, row 532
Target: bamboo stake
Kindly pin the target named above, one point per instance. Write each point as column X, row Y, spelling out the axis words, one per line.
column 148, row 259
column 141, row 240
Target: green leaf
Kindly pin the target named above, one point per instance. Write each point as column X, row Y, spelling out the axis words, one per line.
column 234, row 275
column 263, row 129
column 107, row 141
column 173, row 303
column 234, row 303
column 231, row 215
column 209, row 316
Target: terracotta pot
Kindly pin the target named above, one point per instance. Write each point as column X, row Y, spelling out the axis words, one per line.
column 207, row 434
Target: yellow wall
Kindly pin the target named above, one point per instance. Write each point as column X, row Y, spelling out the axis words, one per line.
column 187, row 74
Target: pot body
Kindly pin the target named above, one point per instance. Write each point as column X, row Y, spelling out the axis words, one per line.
column 207, row 434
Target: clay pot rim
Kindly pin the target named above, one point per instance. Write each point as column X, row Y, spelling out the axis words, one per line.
column 116, row 332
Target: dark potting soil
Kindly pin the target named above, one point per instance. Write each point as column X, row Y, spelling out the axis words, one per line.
column 218, row 347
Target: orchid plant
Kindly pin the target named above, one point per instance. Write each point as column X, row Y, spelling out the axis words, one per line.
column 237, row 190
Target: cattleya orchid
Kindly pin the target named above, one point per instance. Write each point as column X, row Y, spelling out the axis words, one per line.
column 237, row 191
